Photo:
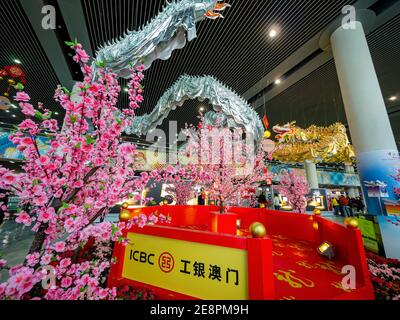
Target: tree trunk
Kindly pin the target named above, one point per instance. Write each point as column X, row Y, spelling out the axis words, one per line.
column 221, row 206
column 38, row 241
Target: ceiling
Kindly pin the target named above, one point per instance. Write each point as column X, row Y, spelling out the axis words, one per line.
column 317, row 97
column 236, row 50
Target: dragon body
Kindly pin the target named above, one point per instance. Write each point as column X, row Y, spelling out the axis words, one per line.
column 168, row 31
column 318, row 144
column 235, row 109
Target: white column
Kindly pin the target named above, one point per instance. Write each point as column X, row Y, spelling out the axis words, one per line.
column 370, row 129
column 311, row 172
column 352, row 192
column 362, row 96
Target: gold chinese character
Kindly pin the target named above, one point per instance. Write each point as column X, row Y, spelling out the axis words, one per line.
column 294, row 282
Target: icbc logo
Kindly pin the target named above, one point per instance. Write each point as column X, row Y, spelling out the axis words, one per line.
column 166, row 262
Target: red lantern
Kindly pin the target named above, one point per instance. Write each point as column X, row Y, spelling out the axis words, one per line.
column 3, row 73
column 15, row 72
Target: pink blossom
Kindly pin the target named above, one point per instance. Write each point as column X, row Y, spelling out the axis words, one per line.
column 24, row 218
column 22, row 96
column 40, row 200
column 26, row 141
column 46, row 215
column 9, row 178
column 78, row 184
column 65, row 263
column 27, row 109
column 33, row 259
column 81, row 56
column 46, row 259
column 3, row 263
column 59, row 246
column 28, row 124
column 66, row 282
column 103, row 293
column 43, row 160
column 51, row 124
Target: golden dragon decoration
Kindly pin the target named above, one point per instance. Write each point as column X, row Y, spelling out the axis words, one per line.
column 317, row 144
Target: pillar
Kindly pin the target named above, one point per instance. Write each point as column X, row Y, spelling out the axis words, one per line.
column 352, row 192
column 311, row 172
column 370, row 129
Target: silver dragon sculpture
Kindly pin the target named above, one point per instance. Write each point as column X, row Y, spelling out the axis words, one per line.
column 168, row 31
column 235, row 109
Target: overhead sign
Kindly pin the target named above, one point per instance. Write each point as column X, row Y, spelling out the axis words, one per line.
column 194, row 269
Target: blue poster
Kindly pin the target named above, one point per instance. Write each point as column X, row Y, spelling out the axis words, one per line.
column 377, row 170
column 8, row 150
column 390, row 231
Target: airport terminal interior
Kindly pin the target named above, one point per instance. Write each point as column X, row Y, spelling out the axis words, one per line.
column 200, row 150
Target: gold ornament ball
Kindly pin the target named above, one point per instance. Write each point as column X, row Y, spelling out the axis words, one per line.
column 11, row 82
column 6, row 94
column 125, row 205
column 125, row 215
column 351, row 222
column 267, row 134
column 258, row 230
column 317, row 212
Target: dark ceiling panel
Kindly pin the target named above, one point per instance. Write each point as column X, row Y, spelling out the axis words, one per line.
column 236, row 50
column 19, row 41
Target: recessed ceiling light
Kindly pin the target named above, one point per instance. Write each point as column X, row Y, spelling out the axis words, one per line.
column 273, row 33
column 17, row 61
column 278, row 81
column 394, row 98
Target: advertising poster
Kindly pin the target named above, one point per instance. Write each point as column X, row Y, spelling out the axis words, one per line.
column 8, row 150
column 390, row 229
column 371, row 234
column 376, row 170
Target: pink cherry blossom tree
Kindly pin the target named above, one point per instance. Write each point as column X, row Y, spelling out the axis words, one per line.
column 87, row 170
column 182, row 192
column 234, row 166
column 183, row 179
column 295, row 188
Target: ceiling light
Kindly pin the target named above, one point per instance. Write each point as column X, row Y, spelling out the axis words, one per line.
column 278, row 81
column 273, row 33
column 394, row 98
column 17, row 61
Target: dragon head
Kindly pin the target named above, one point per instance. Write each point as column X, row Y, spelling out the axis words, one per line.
column 283, row 131
column 285, row 128
column 210, row 9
